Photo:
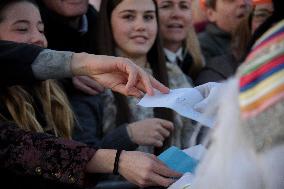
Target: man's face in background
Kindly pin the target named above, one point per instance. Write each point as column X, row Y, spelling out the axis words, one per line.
column 228, row 13
column 67, row 8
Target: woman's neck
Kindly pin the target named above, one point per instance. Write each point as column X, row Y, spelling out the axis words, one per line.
column 140, row 61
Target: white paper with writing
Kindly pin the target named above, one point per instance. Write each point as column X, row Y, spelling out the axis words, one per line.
column 181, row 100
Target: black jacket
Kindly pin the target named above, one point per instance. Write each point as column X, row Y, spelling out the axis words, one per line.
column 16, row 60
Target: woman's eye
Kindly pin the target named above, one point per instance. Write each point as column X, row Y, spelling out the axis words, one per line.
column 128, row 17
column 21, row 29
column 165, row 6
column 184, row 6
column 148, row 17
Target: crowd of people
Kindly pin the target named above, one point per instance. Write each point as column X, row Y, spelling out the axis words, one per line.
column 73, row 71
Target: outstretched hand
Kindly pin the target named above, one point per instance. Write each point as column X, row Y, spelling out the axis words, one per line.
column 138, row 168
column 119, row 74
column 145, row 169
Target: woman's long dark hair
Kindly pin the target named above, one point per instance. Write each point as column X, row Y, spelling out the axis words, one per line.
column 155, row 57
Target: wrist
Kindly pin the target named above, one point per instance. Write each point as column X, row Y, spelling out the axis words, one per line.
column 102, row 161
column 122, row 164
column 78, row 64
column 116, row 162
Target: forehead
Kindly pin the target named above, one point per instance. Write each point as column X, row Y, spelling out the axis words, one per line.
column 137, row 5
column 21, row 9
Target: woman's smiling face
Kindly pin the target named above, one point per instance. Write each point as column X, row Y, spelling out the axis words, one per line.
column 134, row 27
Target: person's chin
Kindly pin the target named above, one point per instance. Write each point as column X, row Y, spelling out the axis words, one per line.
column 139, row 51
column 75, row 11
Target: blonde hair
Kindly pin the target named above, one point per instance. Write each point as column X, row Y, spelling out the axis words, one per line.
column 57, row 112
column 193, row 46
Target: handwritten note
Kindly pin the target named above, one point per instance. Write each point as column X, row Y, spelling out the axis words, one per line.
column 180, row 100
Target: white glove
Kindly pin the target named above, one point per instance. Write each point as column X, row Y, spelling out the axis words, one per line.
column 210, row 93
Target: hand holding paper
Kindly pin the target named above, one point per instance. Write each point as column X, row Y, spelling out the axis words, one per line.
column 182, row 101
column 178, row 160
column 183, row 161
column 210, row 92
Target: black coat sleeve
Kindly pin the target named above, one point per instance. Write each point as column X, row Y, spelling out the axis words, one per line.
column 15, row 62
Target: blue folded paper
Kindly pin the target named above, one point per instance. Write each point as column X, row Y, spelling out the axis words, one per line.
column 178, row 161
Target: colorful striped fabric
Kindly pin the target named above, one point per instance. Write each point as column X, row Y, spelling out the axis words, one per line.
column 262, row 73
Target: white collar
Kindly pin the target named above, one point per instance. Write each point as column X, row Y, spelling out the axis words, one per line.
column 172, row 57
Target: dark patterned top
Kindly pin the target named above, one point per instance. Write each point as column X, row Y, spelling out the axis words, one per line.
column 42, row 156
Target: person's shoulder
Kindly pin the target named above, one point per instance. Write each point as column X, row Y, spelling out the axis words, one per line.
column 205, row 38
column 203, row 35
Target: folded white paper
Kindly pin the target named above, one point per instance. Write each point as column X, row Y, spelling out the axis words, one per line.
column 185, row 182
column 197, row 151
column 181, row 100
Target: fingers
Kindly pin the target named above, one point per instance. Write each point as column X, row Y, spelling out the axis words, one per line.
column 166, row 124
column 162, row 175
column 158, row 140
column 127, row 92
column 137, row 74
column 139, row 79
column 82, row 87
column 146, row 81
column 165, row 127
column 91, row 83
column 132, row 77
column 159, row 86
column 161, row 169
column 164, row 132
column 158, row 143
column 155, row 85
column 134, row 92
column 158, row 180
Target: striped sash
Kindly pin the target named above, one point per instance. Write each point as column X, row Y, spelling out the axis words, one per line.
column 262, row 73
